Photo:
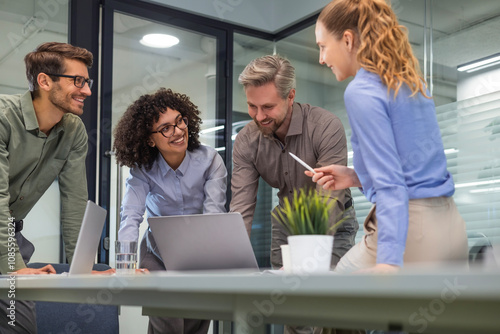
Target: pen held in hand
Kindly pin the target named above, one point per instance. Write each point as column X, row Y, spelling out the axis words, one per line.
column 302, row 163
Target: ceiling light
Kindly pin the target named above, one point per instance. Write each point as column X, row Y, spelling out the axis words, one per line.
column 159, row 40
column 450, row 151
column 487, row 190
column 213, row 129
column 480, row 63
column 478, row 183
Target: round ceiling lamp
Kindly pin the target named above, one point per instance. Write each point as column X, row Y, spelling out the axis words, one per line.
column 159, row 40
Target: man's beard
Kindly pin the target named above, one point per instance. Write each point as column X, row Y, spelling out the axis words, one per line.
column 269, row 131
column 63, row 102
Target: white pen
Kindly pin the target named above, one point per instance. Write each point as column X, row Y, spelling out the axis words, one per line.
column 302, row 162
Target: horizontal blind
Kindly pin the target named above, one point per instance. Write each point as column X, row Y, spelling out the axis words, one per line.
column 471, row 136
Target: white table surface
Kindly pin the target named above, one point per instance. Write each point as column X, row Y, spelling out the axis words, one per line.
column 448, row 301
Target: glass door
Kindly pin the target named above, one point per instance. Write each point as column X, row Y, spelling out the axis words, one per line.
column 139, row 67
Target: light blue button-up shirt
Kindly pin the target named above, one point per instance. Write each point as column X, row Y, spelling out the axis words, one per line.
column 398, row 155
column 197, row 186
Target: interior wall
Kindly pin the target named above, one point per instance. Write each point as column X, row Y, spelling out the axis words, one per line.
column 43, row 228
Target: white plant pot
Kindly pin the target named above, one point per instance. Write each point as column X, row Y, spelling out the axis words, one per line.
column 285, row 258
column 310, row 253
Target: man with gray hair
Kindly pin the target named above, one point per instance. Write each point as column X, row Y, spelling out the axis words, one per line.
column 261, row 149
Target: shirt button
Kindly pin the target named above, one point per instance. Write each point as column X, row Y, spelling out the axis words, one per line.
column 283, row 151
column 21, row 198
column 286, row 173
column 291, row 191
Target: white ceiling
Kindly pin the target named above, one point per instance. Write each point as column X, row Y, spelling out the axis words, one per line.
column 264, row 15
column 463, row 31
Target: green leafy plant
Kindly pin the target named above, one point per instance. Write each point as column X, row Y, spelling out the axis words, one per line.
column 307, row 214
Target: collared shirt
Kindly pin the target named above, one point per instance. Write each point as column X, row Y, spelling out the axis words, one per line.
column 315, row 135
column 30, row 161
column 197, row 186
column 398, row 155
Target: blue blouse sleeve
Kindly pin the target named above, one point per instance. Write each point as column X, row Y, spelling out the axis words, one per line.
column 215, row 186
column 133, row 205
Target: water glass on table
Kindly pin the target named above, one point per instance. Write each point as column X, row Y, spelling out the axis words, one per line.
column 126, row 256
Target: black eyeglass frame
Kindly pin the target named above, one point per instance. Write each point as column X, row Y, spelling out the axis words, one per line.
column 184, row 120
column 74, row 77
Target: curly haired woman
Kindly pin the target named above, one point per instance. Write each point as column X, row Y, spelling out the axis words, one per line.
column 398, row 153
column 171, row 174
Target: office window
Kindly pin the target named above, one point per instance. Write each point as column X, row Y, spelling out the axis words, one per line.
column 24, row 26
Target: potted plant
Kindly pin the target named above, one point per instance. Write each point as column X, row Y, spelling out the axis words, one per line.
column 306, row 218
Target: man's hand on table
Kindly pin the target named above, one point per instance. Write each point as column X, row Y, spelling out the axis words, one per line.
column 48, row 269
column 112, row 271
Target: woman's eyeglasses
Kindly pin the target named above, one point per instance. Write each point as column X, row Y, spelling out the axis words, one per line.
column 168, row 130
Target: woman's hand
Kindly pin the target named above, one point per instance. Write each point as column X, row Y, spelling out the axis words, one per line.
column 113, row 271
column 110, row 271
column 380, row 268
column 335, row 177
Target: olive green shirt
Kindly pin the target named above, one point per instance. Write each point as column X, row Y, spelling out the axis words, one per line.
column 29, row 162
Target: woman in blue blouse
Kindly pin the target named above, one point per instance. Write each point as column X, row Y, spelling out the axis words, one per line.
column 399, row 161
column 171, row 174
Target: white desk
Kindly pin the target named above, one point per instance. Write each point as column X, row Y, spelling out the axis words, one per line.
column 452, row 302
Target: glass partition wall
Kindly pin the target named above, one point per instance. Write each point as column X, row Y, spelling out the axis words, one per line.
column 444, row 35
column 245, row 50
column 25, row 25
column 188, row 67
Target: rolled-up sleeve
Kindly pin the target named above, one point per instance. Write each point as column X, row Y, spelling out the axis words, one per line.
column 215, row 186
column 133, row 205
column 244, row 182
column 73, row 189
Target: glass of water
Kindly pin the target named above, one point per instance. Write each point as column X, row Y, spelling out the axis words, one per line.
column 126, row 256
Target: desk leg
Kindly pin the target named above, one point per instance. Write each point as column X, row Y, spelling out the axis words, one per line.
column 244, row 324
column 225, row 327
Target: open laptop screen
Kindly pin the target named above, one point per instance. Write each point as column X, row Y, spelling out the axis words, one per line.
column 88, row 239
column 203, row 242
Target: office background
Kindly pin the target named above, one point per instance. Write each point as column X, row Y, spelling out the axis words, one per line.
column 217, row 38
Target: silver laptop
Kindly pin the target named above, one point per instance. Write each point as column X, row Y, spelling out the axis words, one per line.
column 203, row 242
column 88, row 239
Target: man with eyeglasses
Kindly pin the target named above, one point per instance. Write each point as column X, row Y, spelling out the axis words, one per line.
column 42, row 139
